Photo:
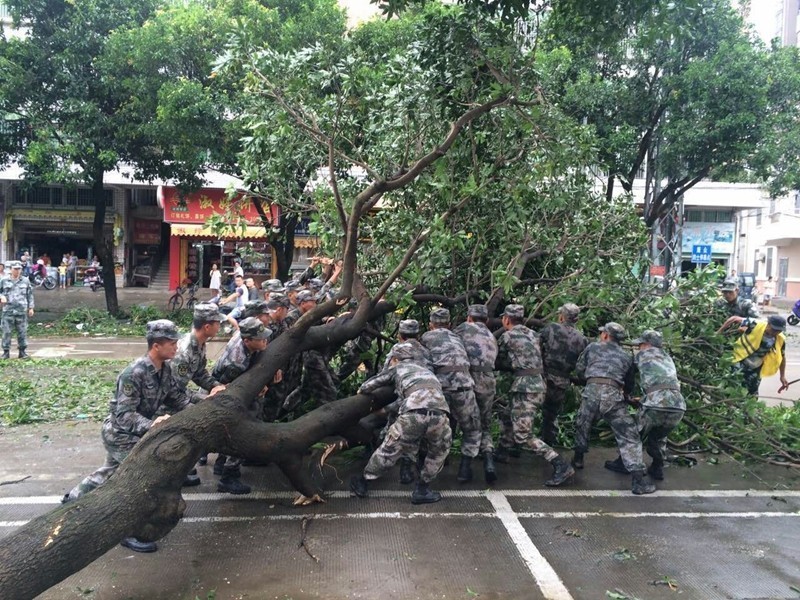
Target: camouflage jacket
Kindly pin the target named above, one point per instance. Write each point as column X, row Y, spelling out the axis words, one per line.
column 519, row 352
column 18, row 293
column 292, row 316
column 608, row 360
column 449, row 359
column 416, row 387
column 659, row 380
column 141, row 393
column 422, row 358
column 234, row 360
column 480, row 344
column 562, row 344
column 742, row 307
column 190, row 363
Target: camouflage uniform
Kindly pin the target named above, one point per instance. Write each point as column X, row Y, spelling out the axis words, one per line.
column 422, row 356
column 140, row 394
column 607, row 369
column 19, row 299
column 451, row 365
column 519, row 352
column 423, row 415
column 190, row 363
column 561, row 344
column 740, row 307
column 663, row 405
column 481, row 347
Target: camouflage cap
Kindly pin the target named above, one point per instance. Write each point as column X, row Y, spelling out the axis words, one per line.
column 440, row 316
column 255, row 308
column 570, row 311
column 162, row 328
column 13, row 264
column 315, row 283
column 403, row 351
column 409, row 327
column 292, row 286
column 777, row 322
column 615, row 330
column 478, row 310
column 515, row 311
column 649, row 336
column 305, row 296
column 731, row 284
column 253, row 329
column 272, row 285
column 207, row 312
column 277, row 300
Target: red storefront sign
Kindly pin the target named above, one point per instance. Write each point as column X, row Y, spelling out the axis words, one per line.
column 658, row 270
column 146, row 232
column 198, row 206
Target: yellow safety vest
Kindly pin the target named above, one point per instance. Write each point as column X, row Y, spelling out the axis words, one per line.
column 750, row 342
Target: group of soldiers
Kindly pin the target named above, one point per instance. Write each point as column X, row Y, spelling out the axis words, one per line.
column 16, row 300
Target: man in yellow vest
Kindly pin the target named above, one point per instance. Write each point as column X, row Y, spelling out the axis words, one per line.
column 760, row 352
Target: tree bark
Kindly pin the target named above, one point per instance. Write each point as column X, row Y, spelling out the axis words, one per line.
column 104, row 246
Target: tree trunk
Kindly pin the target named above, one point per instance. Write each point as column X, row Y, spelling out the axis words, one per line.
column 104, row 244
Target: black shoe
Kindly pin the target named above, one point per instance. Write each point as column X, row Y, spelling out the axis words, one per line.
column 23, row 354
column 501, row 455
column 423, row 494
column 562, row 471
column 656, row 471
column 489, row 471
column 219, row 464
column 233, row 485
column 191, row 481
column 577, row 459
column 137, row 546
column 617, row 466
column 203, row 460
column 6, row 354
column 465, row 470
column 67, row 499
column 406, row 471
column 358, row 485
column 641, row 484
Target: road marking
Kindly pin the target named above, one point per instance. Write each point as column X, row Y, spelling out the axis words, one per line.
column 546, row 578
column 560, row 493
column 60, row 352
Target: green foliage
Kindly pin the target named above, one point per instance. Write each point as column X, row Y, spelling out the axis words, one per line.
column 95, row 322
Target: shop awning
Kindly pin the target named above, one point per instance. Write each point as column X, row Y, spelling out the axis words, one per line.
column 252, row 232
column 306, row 242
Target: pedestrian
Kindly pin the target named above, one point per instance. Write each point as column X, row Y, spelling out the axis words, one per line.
column 72, row 268
column 423, row 414
column 25, row 260
column 481, row 347
column 235, row 359
column 2, row 270
column 238, row 271
column 16, row 299
column 662, row 406
column 519, row 352
column 253, row 293
column 561, row 344
column 451, row 365
column 215, row 285
column 144, row 388
column 761, row 351
column 608, row 371
column 62, row 274
column 240, row 296
column 769, row 291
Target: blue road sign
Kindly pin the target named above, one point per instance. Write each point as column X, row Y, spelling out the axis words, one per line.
column 701, row 254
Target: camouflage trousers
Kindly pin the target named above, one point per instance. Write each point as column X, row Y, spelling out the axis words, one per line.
column 654, row 427
column 751, row 378
column 318, row 382
column 117, row 449
column 464, row 412
column 485, row 391
column 11, row 322
column 553, row 404
column 516, row 422
column 404, row 438
column 600, row 401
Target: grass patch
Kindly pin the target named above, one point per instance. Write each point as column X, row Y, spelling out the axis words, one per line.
column 52, row 390
column 96, row 322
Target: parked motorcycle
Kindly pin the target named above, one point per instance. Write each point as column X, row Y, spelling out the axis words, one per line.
column 794, row 318
column 93, row 277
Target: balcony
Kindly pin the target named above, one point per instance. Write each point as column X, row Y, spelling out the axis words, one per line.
column 783, row 230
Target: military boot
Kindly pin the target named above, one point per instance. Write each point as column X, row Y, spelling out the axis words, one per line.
column 489, row 471
column 617, row 466
column 138, row 546
column 358, row 485
column 203, row 460
column 423, row 494
column 577, row 459
column 465, row 470
column 23, row 354
column 6, row 354
column 192, row 479
column 656, row 470
column 561, row 472
column 406, row 471
column 641, row 484
column 219, row 464
column 231, row 483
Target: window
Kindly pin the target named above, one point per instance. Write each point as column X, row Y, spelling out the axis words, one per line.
column 758, row 217
column 144, row 197
column 770, row 252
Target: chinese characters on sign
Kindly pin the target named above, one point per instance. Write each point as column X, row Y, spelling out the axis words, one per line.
column 701, row 254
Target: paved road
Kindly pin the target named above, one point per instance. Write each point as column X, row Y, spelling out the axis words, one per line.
column 714, row 531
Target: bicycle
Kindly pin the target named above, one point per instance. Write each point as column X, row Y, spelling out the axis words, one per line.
column 175, row 302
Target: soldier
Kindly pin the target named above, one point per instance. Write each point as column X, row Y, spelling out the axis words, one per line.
column 236, row 359
column 423, row 415
column 271, row 286
column 519, row 353
column 608, row 371
column 291, row 288
column 761, row 352
column 733, row 305
column 16, row 298
column 451, row 365
column 144, row 388
column 481, row 347
column 562, row 344
column 662, row 407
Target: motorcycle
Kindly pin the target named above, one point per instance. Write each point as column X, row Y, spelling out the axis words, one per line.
column 794, row 318
column 48, row 282
column 93, row 278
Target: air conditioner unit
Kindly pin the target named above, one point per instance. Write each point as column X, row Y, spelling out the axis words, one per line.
column 762, row 256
